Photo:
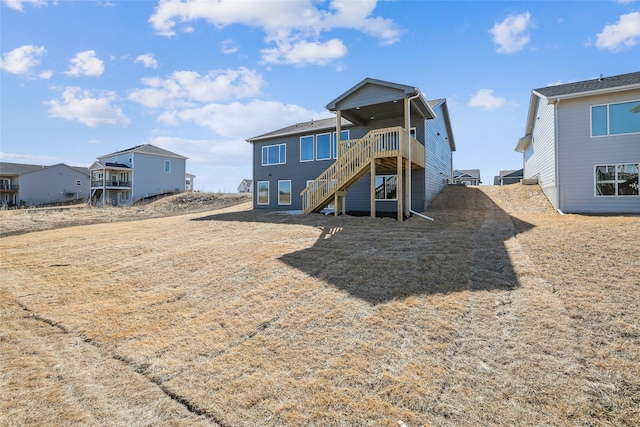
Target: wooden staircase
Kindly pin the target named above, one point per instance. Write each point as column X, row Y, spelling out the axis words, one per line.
column 354, row 162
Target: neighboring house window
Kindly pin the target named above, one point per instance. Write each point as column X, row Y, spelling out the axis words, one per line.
column 615, row 119
column 344, row 136
column 306, row 148
column 323, row 146
column 274, row 154
column 284, row 192
column 167, row 165
column 617, row 180
column 263, row 192
column 386, row 187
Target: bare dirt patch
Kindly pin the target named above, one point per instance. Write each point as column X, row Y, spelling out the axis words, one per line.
column 501, row 312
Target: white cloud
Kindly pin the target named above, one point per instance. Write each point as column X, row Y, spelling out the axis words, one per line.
column 147, row 60
column 19, row 4
column 230, row 120
column 485, row 99
column 229, row 46
column 21, row 59
column 184, row 88
column 624, row 34
column 294, row 26
column 304, row 52
column 84, row 107
column 511, row 34
column 32, row 159
column 46, row 74
column 85, row 64
column 211, row 152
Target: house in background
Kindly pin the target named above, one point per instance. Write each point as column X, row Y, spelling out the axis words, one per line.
column 246, row 186
column 467, row 176
column 508, row 177
column 188, row 182
column 582, row 144
column 387, row 150
column 41, row 185
column 138, row 172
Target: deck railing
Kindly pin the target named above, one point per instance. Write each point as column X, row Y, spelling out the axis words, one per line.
column 353, row 157
column 8, row 187
column 108, row 183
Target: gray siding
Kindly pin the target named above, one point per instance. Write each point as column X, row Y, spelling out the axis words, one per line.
column 579, row 153
column 540, row 157
column 370, row 95
column 358, row 196
column 149, row 177
column 438, row 171
column 52, row 184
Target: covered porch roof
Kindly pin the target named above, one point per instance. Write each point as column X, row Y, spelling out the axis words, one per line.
column 375, row 100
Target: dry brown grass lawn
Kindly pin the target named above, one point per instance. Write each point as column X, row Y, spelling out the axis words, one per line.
column 500, row 312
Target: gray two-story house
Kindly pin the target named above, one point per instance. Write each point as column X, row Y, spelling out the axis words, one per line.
column 387, row 150
column 582, row 144
column 138, row 172
column 40, row 185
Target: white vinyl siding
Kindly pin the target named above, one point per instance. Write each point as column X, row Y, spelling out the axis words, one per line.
column 540, row 159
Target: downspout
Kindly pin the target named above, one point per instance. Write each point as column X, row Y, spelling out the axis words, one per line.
column 410, row 166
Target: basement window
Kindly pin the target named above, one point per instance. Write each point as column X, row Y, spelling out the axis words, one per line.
column 386, row 187
column 617, row 180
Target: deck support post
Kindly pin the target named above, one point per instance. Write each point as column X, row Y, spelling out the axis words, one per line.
column 400, row 189
column 407, row 189
column 373, row 188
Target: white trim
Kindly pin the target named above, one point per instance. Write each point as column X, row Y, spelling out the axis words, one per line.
column 313, row 148
column 608, row 105
column 385, row 188
column 615, row 180
column 330, row 146
column 274, row 145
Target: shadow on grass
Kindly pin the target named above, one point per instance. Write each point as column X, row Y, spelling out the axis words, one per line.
column 380, row 260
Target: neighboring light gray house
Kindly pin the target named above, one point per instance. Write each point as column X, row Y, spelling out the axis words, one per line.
column 467, row 176
column 142, row 171
column 246, row 186
column 387, row 150
column 582, row 144
column 188, row 182
column 41, row 185
column 508, row 177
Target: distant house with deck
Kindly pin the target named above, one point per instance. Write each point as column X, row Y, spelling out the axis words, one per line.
column 41, row 185
column 467, row 176
column 136, row 173
column 387, row 150
column 582, row 144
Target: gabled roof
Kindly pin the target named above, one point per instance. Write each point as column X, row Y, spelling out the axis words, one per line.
column 471, row 173
column 145, row 149
column 300, row 128
column 591, row 87
column 21, row 169
column 551, row 94
column 17, row 168
column 447, row 121
column 511, row 173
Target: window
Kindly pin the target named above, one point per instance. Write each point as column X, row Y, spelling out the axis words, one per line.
column 78, row 182
column 306, row 148
column 263, row 192
column 323, row 146
column 617, row 180
column 344, row 136
column 274, row 154
column 284, row 192
column 167, row 165
column 412, row 133
column 386, row 187
column 615, row 119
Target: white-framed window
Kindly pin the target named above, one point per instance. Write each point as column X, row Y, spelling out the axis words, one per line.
column 167, row 166
column 615, row 119
column 344, row 136
column 284, row 192
column 617, row 180
column 413, row 132
column 386, row 187
column 323, row 146
column 263, row 192
column 306, row 148
column 274, row 154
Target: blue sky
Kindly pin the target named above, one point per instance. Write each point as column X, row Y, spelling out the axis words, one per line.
column 80, row 79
